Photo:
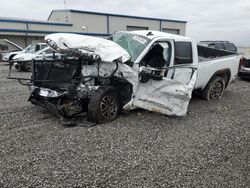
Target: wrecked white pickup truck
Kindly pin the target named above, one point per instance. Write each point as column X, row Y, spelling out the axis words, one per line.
column 141, row 69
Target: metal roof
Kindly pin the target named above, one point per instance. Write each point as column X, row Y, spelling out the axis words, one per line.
column 49, row 32
column 17, row 20
column 115, row 15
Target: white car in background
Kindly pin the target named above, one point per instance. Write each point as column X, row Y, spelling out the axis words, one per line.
column 9, row 49
column 9, row 56
column 23, row 60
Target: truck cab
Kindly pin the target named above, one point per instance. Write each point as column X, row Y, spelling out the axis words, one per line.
column 167, row 68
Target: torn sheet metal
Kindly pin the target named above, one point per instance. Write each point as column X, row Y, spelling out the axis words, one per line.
column 165, row 96
column 105, row 69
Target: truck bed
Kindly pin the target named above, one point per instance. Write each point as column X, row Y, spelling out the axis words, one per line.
column 211, row 61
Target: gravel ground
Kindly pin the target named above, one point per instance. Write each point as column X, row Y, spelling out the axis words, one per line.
column 207, row 148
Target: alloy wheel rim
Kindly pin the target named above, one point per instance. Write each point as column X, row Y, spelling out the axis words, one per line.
column 108, row 107
column 216, row 91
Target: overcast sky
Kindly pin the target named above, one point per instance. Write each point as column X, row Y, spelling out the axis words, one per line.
column 207, row 19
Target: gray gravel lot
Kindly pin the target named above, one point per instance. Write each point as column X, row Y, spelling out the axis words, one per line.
column 207, row 148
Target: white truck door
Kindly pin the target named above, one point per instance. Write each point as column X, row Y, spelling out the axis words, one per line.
column 166, row 89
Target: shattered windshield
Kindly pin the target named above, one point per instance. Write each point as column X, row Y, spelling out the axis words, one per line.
column 132, row 43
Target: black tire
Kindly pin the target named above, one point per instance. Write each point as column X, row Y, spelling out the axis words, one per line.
column 17, row 66
column 214, row 89
column 22, row 67
column 104, row 105
column 25, row 67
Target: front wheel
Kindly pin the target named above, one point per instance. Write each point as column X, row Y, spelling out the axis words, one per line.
column 104, row 105
column 25, row 66
column 214, row 89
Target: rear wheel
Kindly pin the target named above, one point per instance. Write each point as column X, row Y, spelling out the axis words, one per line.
column 104, row 105
column 214, row 89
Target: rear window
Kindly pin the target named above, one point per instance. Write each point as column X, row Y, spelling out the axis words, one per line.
column 219, row 46
column 211, row 45
column 230, row 47
column 183, row 53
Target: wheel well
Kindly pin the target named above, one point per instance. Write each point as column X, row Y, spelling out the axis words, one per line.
column 11, row 57
column 124, row 89
column 225, row 74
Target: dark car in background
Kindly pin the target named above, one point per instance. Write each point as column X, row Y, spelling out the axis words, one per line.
column 244, row 68
column 222, row 45
column 244, row 64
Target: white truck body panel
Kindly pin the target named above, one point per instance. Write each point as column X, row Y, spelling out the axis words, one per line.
column 206, row 69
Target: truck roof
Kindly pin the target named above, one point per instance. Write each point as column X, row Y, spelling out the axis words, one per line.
column 214, row 41
column 151, row 34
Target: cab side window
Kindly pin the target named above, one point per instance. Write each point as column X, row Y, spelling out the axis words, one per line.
column 183, row 53
column 230, row 47
column 158, row 56
column 37, row 48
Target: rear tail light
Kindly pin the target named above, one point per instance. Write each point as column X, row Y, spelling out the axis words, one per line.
column 242, row 62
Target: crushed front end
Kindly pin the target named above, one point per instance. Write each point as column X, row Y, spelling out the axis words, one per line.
column 88, row 79
column 55, row 85
column 66, row 87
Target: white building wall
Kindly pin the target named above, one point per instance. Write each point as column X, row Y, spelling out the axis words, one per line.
column 23, row 41
column 121, row 23
column 174, row 25
column 97, row 23
column 12, row 25
column 60, row 16
column 92, row 23
column 41, row 27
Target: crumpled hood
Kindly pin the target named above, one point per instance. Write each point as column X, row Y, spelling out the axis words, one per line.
column 106, row 49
